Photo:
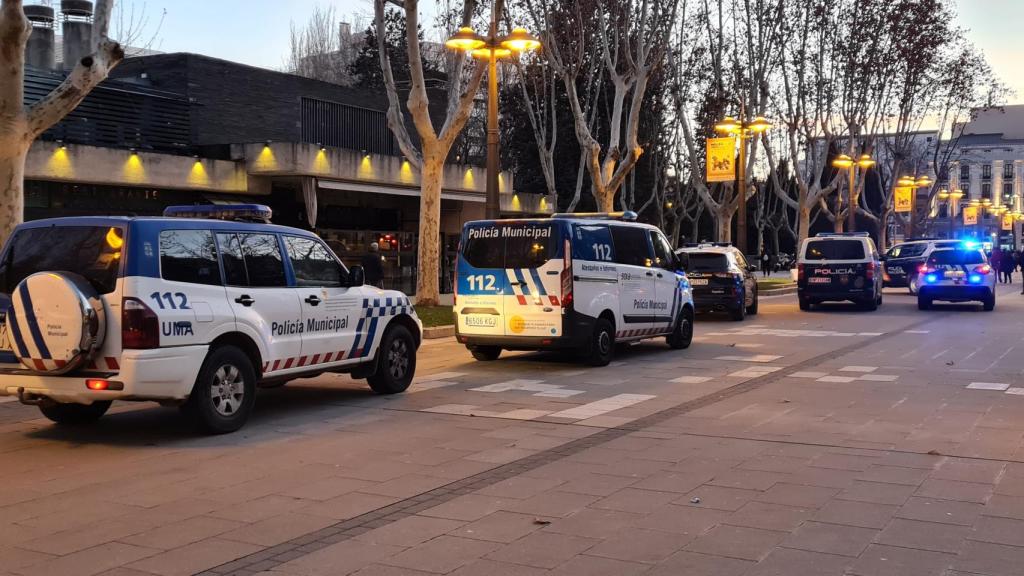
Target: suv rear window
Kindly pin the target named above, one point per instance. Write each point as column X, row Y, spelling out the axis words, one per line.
column 708, row 262
column 834, row 250
column 510, row 245
column 907, row 250
column 941, row 257
column 93, row 252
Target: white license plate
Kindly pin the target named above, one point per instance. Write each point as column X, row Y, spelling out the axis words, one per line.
column 817, row 280
column 482, row 321
column 699, row 281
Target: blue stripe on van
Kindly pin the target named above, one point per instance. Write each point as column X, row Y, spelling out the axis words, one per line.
column 369, row 337
column 33, row 324
column 15, row 330
column 523, row 286
column 536, row 279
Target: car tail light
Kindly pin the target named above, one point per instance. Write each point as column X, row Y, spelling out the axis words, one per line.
column 870, row 272
column 801, row 272
column 566, row 278
column 140, row 327
column 922, row 268
column 101, row 385
column 983, row 269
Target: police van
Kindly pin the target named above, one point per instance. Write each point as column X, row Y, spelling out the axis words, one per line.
column 834, row 267
column 583, row 282
column 196, row 309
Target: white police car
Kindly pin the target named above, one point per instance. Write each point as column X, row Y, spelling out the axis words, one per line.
column 960, row 274
column 197, row 308
column 581, row 282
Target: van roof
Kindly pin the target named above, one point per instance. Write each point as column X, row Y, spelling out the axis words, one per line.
column 161, row 222
column 560, row 220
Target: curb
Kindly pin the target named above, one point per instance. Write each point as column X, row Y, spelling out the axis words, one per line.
column 438, row 332
column 778, row 292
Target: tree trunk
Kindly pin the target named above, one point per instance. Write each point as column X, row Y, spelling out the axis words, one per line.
column 883, row 231
column 428, row 291
column 805, row 225
column 12, row 179
column 724, row 225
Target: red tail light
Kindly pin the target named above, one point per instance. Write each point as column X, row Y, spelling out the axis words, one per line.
column 923, row 268
column 140, row 327
column 983, row 269
column 567, row 274
column 870, row 272
column 800, row 272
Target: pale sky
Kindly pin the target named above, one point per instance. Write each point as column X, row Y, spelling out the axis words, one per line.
column 256, row 31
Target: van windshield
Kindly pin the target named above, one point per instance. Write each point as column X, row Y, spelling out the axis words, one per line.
column 93, row 252
column 510, row 244
column 834, row 250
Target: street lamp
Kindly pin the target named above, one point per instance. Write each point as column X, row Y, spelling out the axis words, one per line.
column 492, row 48
column 952, row 200
column 913, row 183
column 742, row 130
column 845, row 162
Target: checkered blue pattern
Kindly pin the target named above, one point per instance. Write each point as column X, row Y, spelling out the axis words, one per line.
column 381, row 307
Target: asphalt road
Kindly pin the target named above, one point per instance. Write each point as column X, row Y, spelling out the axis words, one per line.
column 828, row 442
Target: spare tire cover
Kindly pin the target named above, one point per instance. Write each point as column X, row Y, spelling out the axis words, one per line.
column 55, row 322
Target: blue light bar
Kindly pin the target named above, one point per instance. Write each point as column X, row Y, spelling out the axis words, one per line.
column 975, row 279
column 246, row 212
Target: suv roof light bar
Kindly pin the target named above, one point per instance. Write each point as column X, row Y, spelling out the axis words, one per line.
column 627, row 216
column 842, row 235
column 237, row 212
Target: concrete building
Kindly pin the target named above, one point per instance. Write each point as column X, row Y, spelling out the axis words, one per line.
column 186, row 129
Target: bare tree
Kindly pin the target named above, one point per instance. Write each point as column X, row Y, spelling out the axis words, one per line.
column 20, row 125
column 316, row 49
column 434, row 146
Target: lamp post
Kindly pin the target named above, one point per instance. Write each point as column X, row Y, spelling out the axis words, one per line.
column 742, row 129
column 913, row 184
column 492, row 48
column 845, row 162
column 952, row 200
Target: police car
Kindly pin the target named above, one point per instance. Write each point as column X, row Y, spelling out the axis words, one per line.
column 197, row 309
column 837, row 267
column 581, row 282
column 721, row 279
column 902, row 264
column 962, row 274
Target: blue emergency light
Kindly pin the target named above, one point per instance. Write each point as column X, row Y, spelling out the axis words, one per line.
column 242, row 212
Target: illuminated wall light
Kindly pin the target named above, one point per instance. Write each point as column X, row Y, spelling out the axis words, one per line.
column 321, row 162
column 197, row 176
column 59, row 165
column 266, row 159
column 467, row 179
column 134, row 171
column 516, row 205
column 405, row 174
column 366, row 170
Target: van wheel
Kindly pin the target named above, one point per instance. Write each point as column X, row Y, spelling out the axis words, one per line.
column 989, row 303
column 601, row 348
column 224, row 393
column 75, row 414
column 924, row 303
column 485, row 353
column 396, row 362
column 752, row 309
column 682, row 336
column 805, row 304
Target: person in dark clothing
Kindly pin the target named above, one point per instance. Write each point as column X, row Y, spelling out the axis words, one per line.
column 1009, row 264
column 373, row 267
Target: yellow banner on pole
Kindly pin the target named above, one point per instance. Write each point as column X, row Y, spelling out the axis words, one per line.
column 1007, row 221
column 970, row 216
column 903, row 199
column 720, row 161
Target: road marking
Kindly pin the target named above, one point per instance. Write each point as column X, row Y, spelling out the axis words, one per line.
column 877, row 378
column 601, row 406
column 441, row 376
column 810, row 375
column 870, row 333
column 988, row 386
column 6, row 399
column 864, row 369
column 692, row 379
column 763, row 358
column 1015, row 391
column 538, row 386
column 755, row 371
column 917, row 331
column 429, row 385
column 837, row 379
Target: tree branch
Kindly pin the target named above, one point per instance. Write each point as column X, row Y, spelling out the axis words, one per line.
column 395, row 119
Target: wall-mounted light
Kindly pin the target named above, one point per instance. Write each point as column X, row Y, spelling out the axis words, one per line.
column 267, row 143
column 61, row 145
column 133, row 151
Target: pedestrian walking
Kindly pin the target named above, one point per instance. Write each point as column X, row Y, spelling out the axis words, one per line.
column 1008, row 265
column 373, row 266
column 996, row 262
column 766, row 264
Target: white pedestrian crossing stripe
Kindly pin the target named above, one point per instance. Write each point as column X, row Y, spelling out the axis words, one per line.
column 762, row 358
column 997, row 386
column 538, row 386
column 601, row 406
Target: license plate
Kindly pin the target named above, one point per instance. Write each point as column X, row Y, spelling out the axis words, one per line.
column 699, row 282
column 819, row 280
column 482, row 321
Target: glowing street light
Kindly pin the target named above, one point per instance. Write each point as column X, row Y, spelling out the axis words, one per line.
column 848, row 163
column 742, row 130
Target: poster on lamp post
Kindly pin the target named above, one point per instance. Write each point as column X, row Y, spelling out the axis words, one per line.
column 720, row 160
column 1007, row 221
column 903, row 199
column 970, row 215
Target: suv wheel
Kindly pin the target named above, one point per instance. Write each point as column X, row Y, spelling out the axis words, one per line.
column 601, row 347
column 990, row 302
column 740, row 311
column 913, row 283
column 75, row 414
column 871, row 304
column 224, row 392
column 682, row 336
column 485, row 353
column 752, row 309
column 396, row 362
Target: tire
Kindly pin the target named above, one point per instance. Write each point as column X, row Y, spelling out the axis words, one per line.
column 230, row 372
column 869, row 305
column 805, row 304
column 739, row 313
column 485, row 353
column 601, row 346
column 924, row 303
column 75, row 414
column 682, row 335
column 752, row 309
column 989, row 304
column 912, row 284
column 396, row 362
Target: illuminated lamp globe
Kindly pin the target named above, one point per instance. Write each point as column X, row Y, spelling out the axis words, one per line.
column 465, row 39
column 519, row 40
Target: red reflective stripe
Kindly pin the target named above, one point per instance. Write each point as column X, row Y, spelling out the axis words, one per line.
column 315, row 360
column 328, row 357
column 276, row 364
column 554, row 300
column 302, row 361
column 340, row 356
column 60, row 363
column 39, row 364
column 288, row 363
column 522, row 299
column 265, row 366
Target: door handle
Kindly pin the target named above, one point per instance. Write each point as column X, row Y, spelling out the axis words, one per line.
column 245, row 300
column 650, row 273
column 312, row 300
column 660, row 275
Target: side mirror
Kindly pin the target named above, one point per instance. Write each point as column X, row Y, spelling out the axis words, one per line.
column 356, row 277
column 752, row 268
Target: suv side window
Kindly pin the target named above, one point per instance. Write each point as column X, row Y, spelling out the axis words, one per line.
column 232, row 259
column 263, row 260
column 663, row 256
column 631, row 246
column 189, row 256
column 741, row 260
column 312, row 263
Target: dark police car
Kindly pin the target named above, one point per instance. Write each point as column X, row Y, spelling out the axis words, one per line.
column 721, row 278
column 835, row 267
column 903, row 262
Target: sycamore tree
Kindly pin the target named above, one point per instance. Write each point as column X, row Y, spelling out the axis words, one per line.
column 20, row 125
column 434, row 145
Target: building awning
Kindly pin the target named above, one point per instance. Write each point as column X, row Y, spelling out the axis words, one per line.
column 396, row 190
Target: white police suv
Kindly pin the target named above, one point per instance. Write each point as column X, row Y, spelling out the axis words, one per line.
column 581, row 282
column 198, row 309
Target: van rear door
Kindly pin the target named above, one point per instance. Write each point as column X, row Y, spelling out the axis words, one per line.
column 481, row 281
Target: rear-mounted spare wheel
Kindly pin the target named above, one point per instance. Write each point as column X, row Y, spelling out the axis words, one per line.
column 55, row 322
